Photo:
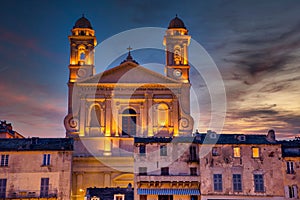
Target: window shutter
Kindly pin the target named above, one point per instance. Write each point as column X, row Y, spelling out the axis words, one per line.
column 286, row 191
column 295, row 189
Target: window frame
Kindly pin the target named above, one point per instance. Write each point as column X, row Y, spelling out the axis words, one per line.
column 44, row 189
column 163, row 150
column 218, row 182
column 238, row 153
column 3, row 187
column 162, row 110
column 253, row 152
column 129, row 124
column 290, row 167
column 193, row 171
column 259, row 185
column 215, row 151
column 46, row 159
column 143, row 171
column 237, row 185
column 119, row 195
column 4, row 160
column 193, row 153
column 142, row 150
column 164, row 171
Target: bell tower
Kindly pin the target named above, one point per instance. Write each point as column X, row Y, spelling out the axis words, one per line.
column 177, row 41
column 82, row 49
column 82, row 44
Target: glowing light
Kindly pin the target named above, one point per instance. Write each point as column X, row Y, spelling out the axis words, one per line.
column 255, row 152
column 236, row 152
column 81, row 190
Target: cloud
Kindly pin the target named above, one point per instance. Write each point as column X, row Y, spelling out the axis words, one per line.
column 261, row 118
column 33, row 113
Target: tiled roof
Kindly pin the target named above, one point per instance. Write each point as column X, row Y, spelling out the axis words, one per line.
column 33, row 144
column 203, row 138
column 108, row 193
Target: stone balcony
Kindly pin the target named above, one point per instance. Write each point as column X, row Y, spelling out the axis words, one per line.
column 168, row 178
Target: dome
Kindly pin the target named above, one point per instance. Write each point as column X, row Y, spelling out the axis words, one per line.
column 83, row 23
column 176, row 23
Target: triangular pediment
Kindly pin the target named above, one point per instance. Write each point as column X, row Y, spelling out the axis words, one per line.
column 129, row 72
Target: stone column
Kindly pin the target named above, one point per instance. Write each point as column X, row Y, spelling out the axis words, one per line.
column 175, row 115
column 108, row 117
column 107, row 182
column 116, row 118
column 82, row 117
column 149, row 101
column 185, row 54
column 107, row 146
column 142, row 122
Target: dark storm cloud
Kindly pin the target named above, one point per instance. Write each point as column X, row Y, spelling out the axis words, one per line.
column 261, row 113
column 262, row 55
column 267, row 115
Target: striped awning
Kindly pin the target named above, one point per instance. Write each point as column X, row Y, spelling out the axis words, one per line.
column 152, row 191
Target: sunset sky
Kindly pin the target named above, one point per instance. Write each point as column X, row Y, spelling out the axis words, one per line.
column 255, row 45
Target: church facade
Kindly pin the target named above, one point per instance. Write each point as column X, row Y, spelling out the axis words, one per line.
column 107, row 110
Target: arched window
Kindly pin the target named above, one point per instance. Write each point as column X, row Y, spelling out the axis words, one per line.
column 82, row 32
column 82, row 56
column 177, row 55
column 95, row 116
column 81, row 53
column 129, row 122
column 162, row 115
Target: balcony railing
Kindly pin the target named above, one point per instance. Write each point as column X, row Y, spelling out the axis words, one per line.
column 22, row 194
column 169, row 178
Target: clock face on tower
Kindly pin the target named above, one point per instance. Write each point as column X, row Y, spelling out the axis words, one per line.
column 177, row 73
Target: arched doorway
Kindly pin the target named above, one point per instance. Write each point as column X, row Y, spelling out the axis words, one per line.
column 129, row 122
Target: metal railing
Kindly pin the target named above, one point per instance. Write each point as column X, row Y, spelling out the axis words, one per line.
column 20, row 194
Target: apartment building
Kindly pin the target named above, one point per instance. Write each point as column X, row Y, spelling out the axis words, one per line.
column 291, row 168
column 36, row 168
column 209, row 166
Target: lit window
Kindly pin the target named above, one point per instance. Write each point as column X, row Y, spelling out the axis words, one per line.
column 46, row 159
column 258, row 183
column 290, row 167
column 142, row 171
column 255, row 152
column 162, row 115
column 236, row 152
column 3, row 188
column 177, row 55
column 119, row 197
column 163, row 150
column 218, row 186
column 237, row 182
column 4, row 160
